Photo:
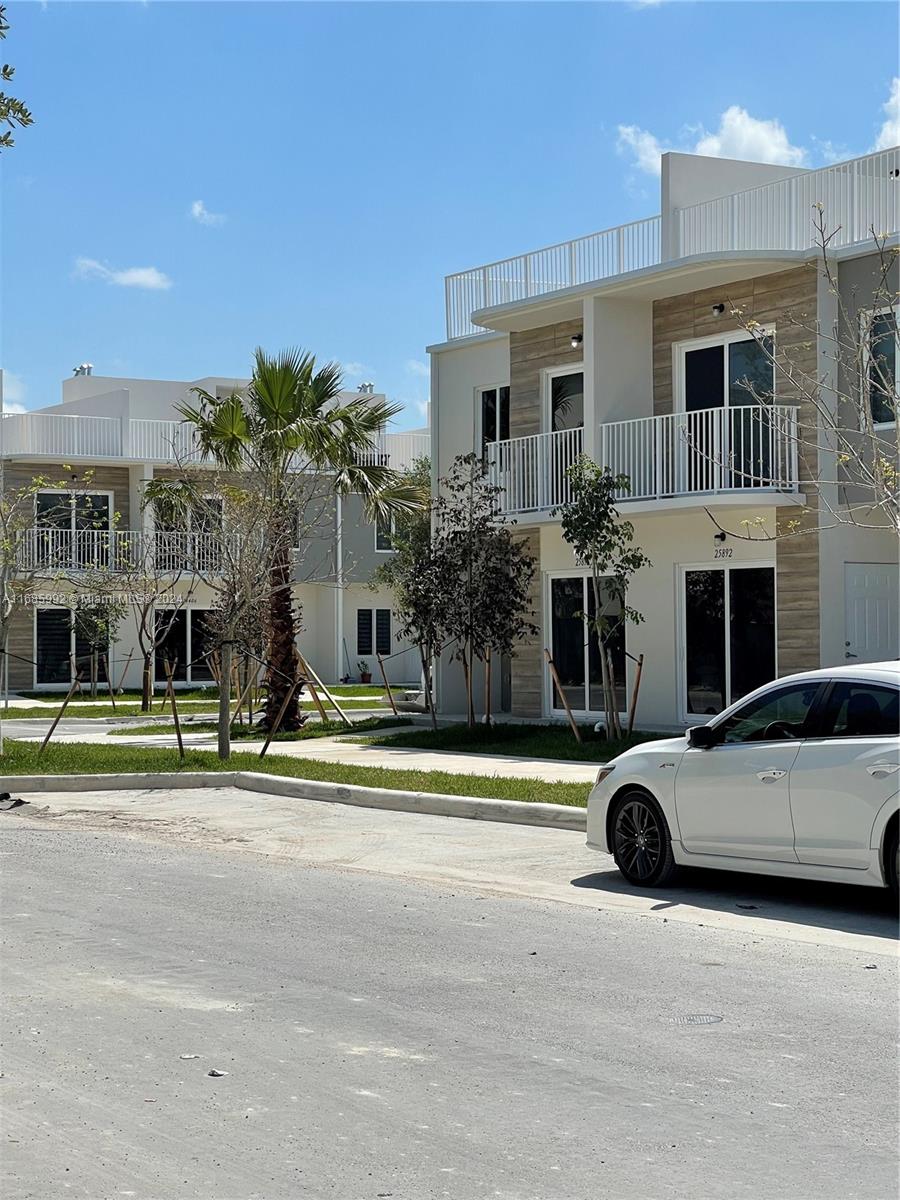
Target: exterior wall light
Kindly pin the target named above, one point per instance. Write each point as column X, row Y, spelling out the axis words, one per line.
column 577, row 339
column 718, row 309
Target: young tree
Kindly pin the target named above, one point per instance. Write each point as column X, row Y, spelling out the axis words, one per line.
column 96, row 618
column 413, row 573
column 12, row 111
column 603, row 542
column 301, row 444
column 482, row 573
column 22, row 562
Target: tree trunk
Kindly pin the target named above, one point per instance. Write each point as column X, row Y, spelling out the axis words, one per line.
column 283, row 663
column 425, row 656
column 147, row 682
column 470, row 700
column 224, row 741
column 94, row 672
column 487, row 687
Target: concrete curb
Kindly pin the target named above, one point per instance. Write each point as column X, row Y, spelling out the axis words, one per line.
column 516, row 812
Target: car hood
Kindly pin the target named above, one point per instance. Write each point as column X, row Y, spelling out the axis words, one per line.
column 675, row 745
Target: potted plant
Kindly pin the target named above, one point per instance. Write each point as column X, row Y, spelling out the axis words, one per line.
column 365, row 675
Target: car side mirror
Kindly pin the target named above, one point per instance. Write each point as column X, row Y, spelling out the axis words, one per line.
column 703, row 737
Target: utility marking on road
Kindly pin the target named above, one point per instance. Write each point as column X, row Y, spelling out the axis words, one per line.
column 386, row 1052
column 697, row 1019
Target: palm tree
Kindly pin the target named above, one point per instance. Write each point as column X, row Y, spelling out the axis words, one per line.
column 304, row 444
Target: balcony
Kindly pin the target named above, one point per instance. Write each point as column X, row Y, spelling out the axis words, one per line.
column 741, row 451
column 857, row 196
column 61, row 438
column 53, row 551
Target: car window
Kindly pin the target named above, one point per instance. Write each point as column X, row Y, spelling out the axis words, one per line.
column 776, row 716
column 862, row 710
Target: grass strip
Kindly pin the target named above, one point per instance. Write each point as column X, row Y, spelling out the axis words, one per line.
column 101, row 712
column 317, row 729
column 21, row 758
column 524, row 741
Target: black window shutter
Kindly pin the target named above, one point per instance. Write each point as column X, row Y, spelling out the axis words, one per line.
column 364, row 631
column 383, row 630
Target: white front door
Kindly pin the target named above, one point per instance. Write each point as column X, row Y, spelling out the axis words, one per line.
column 871, row 612
column 734, row 798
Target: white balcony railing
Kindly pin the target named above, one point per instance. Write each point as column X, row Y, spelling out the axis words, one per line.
column 857, row 196
column 65, row 550
column 397, row 450
column 567, row 264
column 738, row 450
column 532, row 471
column 66, row 438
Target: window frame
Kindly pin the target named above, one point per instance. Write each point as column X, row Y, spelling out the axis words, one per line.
column 684, row 716
column 811, row 722
column 73, row 645
column 188, row 681
column 392, row 530
column 548, row 374
column 547, row 634
column 865, row 317
column 820, row 733
column 373, row 613
column 725, row 338
column 480, row 445
column 72, row 494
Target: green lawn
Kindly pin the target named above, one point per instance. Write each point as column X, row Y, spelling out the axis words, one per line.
column 99, row 710
column 313, row 729
column 21, row 758
column 524, row 741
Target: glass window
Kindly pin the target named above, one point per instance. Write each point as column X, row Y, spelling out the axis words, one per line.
column 53, row 510
column 172, row 628
column 568, row 634
column 364, row 631
column 383, row 630
column 201, row 648
column 704, row 618
column 494, row 416
column 384, row 529
column 752, row 628
column 862, row 710
column 53, row 645
column 777, row 716
column 567, row 401
column 749, row 362
column 882, row 366
column 615, row 644
column 704, row 378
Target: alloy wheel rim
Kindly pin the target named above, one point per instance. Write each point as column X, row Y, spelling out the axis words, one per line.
column 638, row 839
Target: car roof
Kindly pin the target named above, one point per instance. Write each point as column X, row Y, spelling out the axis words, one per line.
column 885, row 672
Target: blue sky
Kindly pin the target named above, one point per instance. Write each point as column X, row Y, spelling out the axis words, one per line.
column 345, row 157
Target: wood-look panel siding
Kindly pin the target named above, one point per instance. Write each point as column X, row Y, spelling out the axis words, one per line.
column 530, row 353
column 787, row 301
column 527, row 664
column 101, row 479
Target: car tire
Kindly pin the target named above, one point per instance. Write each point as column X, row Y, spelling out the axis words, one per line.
column 640, row 840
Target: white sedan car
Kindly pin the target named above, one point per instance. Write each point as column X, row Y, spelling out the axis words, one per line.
column 801, row 778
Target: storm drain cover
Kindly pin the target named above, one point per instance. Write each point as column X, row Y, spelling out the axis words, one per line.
column 697, row 1019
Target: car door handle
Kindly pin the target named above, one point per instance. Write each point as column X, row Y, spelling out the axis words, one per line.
column 880, row 769
column 771, row 775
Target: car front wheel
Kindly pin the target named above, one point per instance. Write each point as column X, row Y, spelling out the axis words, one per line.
column 641, row 844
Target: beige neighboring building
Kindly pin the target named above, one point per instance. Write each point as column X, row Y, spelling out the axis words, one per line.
column 120, row 434
column 621, row 345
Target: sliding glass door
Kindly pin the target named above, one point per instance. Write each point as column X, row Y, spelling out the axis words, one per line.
column 729, row 634
column 574, row 648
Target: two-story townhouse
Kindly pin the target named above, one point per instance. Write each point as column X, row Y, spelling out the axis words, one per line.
column 97, row 450
column 623, row 346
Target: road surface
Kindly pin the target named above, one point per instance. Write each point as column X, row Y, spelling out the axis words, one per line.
column 398, row 1017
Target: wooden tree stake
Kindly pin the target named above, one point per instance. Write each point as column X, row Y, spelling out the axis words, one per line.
column 387, row 686
column 170, row 692
column 634, row 694
column 75, row 684
column 562, row 696
column 285, row 702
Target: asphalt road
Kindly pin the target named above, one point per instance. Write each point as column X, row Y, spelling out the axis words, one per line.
column 404, row 1038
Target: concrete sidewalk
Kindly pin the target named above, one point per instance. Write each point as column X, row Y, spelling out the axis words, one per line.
column 332, row 749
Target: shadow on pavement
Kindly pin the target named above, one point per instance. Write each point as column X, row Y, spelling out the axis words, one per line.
column 840, row 906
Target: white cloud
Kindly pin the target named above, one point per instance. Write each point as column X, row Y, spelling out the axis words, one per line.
column 889, row 134
column 13, row 392
column 356, row 370
column 149, row 278
column 739, row 135
column 645, row 147
column 203, row 216
column 420, row 369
